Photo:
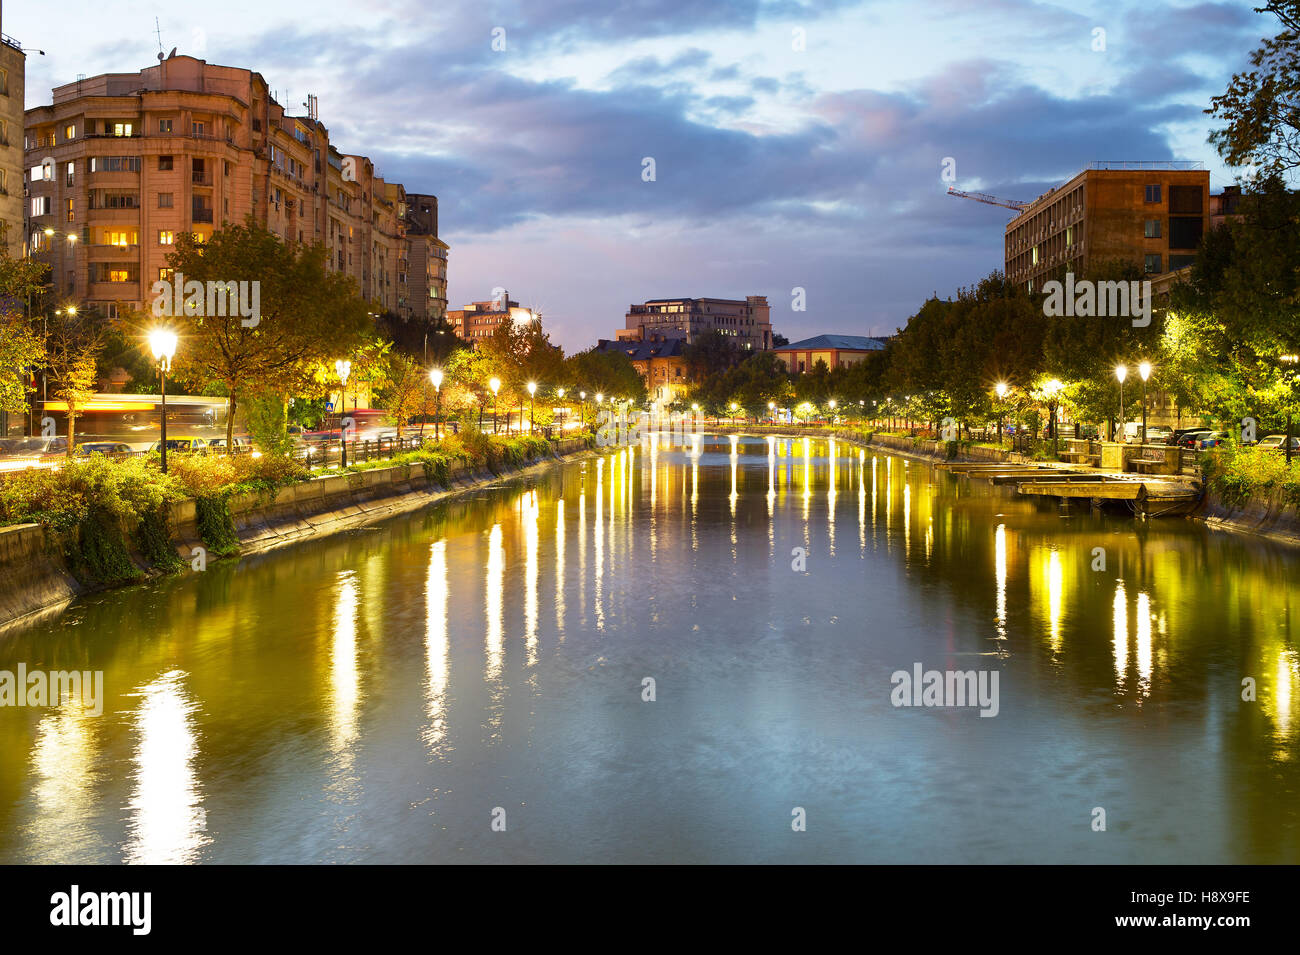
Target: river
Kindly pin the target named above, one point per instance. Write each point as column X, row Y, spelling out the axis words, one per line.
column 472, row 682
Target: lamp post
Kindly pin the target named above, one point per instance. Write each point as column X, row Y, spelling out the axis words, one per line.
column 1289, row 360
column 532, row 390
column 559, row 393
column 832, row 407
column 1001, row 388
column 495, row 385
column 1053, row 389
column 343, row 368
column 1144, row 372
column 582, row 408
column 771, row 412
column 162, row 342
column 1121, row 372
column 435, row 377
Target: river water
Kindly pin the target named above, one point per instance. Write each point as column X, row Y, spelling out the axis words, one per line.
column 469, row 683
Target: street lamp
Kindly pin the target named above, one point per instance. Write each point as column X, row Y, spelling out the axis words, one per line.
column 559, row 393
column 1289, row 360
column 532, row 390
column 435, row 377
column 582, row 408
column 771, row 412
column 343, row 368
column 495, row 385
column 1121, row 372
column 1053, row 388
column 1144, row 372
column 1001, row 388
column 162, row 342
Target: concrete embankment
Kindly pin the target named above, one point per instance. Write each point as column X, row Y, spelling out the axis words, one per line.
column 1268, row 516
column 36, row 576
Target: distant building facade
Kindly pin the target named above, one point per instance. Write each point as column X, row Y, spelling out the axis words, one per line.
column 428, row 258
column 748, row 320
column 1148, row 214
column 659, row 362
column 122, row 163
column 838, row 351
column 479, row 320
column 13, row 67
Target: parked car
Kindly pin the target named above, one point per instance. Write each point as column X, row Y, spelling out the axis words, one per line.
column 1158, row 434
column 1213, row 439
column 1277, row 442
column 1089, row 431
column 184, row 444
column 114, row 448
column 242, row 444
column 1192, row 439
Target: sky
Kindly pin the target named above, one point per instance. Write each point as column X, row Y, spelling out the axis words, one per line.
column 795, row 145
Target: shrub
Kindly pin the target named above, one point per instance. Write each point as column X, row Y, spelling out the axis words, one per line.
column 215, row 525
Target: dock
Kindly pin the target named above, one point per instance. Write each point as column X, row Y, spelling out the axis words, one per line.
column 1146, row 495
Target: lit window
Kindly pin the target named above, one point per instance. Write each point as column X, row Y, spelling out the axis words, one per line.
column 70, row 131
column 1152, row 229
column 166, row 237
column 119, row 275
column 122, row 129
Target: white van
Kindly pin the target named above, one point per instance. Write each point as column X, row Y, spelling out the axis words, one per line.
column 1156, row 433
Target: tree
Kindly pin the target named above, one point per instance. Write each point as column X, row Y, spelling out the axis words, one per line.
column 308, row 315
column 403, row 388
column 711, row 352
column 1262, row 107
column 21, row 349
column 72, row 350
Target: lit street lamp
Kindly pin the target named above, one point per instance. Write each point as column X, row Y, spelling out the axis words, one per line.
column 532, row 390
column 771, row 411
column 1121, row 372
column 162, row 341
column 495, row 385
column 1001, row 388
column 559, row 393
column 1144, row 372
column 435, row 376
column 343, row 368
column 1053, row 388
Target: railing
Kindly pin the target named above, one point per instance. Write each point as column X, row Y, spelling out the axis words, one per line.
column 1141, row 164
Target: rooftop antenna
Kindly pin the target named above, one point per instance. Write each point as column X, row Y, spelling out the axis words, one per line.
column 158, row 31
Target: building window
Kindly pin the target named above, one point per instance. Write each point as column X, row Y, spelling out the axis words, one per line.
column 71, row 211
column 120, row 237
column 40, row 173
column 164, row 125
column 70, row 131
column 1153, row 193
column 114, row 163
column 197, row 128
column 123, row 129
column 166, row 237
column 40, row 205
column 1152, row 230
column 1177, row 262
column 119, row 275
column 72, row 173
column 1152, row 263
column 164, row 200
column 4, row 82
column 164, row 163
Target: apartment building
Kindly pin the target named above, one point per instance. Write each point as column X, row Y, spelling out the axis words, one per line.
column 13, row 66
column 837, row 351
column 120, row 164
column 659, row 362
column 1148, row 214
column 479, row 320
column 428, row 258
column 748, row 320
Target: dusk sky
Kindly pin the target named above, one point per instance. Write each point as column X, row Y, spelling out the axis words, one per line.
column 775, row 167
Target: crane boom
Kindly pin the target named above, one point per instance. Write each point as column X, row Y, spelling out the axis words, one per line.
column 985, row 198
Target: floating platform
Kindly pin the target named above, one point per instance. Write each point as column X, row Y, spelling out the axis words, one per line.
column 1151, row 498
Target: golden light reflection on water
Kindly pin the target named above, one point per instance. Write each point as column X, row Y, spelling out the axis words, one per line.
column 1055, row 587
column 530, row 514
column 494, row 606
column 559, row 568
column 344, row 676
column 436, row 647
column 1000, row 573
column 63, row 785
column 167, row 822
column 1119, row 642
column 1142, row 638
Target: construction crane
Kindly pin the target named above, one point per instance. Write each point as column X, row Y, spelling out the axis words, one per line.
column 1015, row 204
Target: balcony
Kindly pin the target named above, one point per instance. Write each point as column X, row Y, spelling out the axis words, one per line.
column 201, row 178
column 201, row 215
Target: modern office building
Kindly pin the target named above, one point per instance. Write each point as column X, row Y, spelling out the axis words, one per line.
column 1147, row 214
column 13, row 66
column 748, row 320
column 120, row 164
column 837, row 351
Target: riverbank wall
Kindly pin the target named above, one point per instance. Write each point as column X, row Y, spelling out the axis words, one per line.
column 37, row 563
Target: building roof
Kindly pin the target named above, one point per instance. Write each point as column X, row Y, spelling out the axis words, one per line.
column 644, row 351
column 842, row 342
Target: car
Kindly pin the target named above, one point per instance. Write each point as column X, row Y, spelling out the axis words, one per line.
column 1277, row 442
column 1158, row 434
column 183, row 444
column 1213, row 439
column 1192, row 439
column 38, row 446
column 112, row 448
column 242, row 444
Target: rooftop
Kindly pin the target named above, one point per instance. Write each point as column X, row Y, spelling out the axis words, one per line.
column 842, row 342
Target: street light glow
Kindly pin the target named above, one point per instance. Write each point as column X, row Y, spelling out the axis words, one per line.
column 1144, row 370
column 343, row 369
column 1001, row 388
column 435, row 376
column 1121, row 372
column 532, row 388
column 495, row 385
column 162, row 342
